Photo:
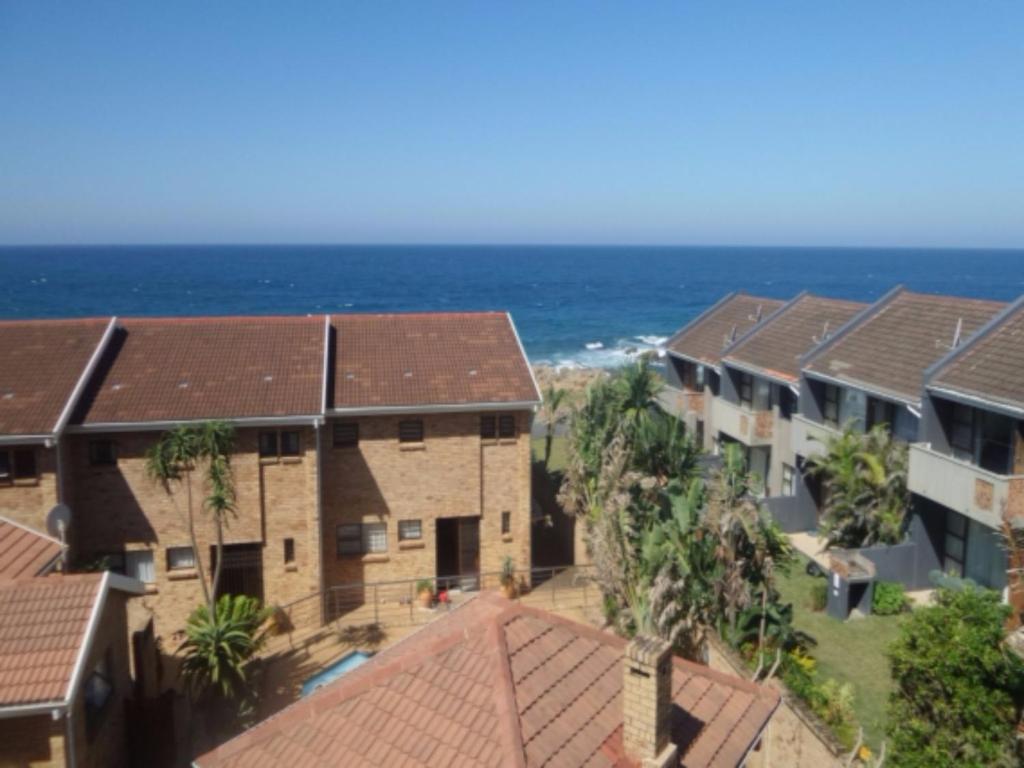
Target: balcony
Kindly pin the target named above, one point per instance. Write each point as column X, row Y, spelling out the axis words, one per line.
column 680, row 402
column 752, row 428
column 964, row 487
column 808, row 437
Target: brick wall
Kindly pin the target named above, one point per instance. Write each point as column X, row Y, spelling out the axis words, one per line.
column 28, row 502
column 453, row 473
column 120, row 508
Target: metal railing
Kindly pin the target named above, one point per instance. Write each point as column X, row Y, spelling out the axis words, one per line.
column 398, row 603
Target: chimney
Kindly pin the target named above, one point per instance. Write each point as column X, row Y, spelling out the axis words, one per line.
column 647, row 702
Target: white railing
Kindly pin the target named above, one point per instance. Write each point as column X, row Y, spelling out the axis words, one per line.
column 749, row 427
column 808, row 438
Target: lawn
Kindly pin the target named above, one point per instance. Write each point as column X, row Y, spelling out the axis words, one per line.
column 558, row 452
column 852, row 651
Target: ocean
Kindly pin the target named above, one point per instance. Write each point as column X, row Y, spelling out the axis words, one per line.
column 573, row 306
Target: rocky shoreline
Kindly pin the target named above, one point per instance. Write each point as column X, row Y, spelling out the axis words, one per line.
column 574, row 380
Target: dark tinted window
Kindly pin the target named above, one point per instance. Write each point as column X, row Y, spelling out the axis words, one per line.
column 290, row 443
column 346, row 435
column 410, row 431
column 488, row 427
column 25, row 463
column 507, row 426
column 268, row 445
column 102, row 453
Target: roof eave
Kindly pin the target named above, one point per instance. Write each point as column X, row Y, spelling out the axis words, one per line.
column 976, row 400
column 868, row 388
column 163, row 424
column 391, row 410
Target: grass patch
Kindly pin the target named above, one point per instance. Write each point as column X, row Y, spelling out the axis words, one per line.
column 559, row 452
column 851, row 652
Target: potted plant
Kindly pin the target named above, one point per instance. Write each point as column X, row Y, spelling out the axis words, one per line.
column 425, row 590
column 508, row 577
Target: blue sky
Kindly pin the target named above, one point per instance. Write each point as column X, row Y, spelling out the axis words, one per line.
column 888, row 123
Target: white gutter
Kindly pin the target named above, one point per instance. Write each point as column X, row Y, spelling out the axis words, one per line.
column 394, row 410
column 327, row 360
column 152, row 426
column 25, row 439
column 522, row 351
column 90, row 632
column 83, row 380
column 54, row 708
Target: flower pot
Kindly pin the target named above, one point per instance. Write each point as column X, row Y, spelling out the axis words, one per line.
column 508, row 590
column 426, row 598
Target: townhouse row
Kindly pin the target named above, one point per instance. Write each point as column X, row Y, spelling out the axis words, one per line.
column 368, row 447
column 945, row 373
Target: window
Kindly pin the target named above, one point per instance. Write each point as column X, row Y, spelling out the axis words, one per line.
column 138, row 564
column 268, row 445
column 758, row 459
column 488, row 427
column 102, row 453
column 180, row 558
column 853, row 408
column 955, row 543
column 762, row 395
column 746, row 389
column 346, row 434
column 507, row 426
column 277, row 444
column 881, row 412
column 410, row 431
column 995, row 443
column 17, row 464
column 290, row 444
column 375, row 538
column 961, row 432
column 830, row 412
column 362, row 538
column 410, row 530
column 506, row 523
column 289, row 551
column 788, row 487
column 5, row 468
column 349, row 539
column 97, row 693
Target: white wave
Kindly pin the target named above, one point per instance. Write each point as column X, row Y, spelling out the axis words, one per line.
column 654, row 341
column 592, row 345
column 596, row 355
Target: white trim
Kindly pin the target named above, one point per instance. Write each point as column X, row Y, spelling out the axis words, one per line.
column 25, row 439
column 83, row 380
column 863, row 387
column 388, row 410
column 327, row 360
column 153, row 426
column 522, row 351
column 90, row 633
column 55, row 708
column 975, row 400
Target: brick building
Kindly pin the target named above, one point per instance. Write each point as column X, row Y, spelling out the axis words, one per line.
column 368, row 447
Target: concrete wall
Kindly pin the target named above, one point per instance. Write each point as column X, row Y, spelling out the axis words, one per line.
column 453, row 473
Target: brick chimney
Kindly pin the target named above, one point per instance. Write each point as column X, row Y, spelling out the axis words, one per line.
column 647, row 702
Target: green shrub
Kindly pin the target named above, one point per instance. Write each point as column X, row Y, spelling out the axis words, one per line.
column 889, row 599
column 958, row 692
column 819, row 596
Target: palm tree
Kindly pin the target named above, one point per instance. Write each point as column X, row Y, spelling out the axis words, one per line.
column 173, row 460
column 639, row 387
column 864, row 478
column 551, row 407
column 662, row 449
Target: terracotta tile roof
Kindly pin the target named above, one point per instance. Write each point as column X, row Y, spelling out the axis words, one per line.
column 43, row 629
column 992, row 366
column 705, row 338
column 400, row 360
column 495, row 683
column 180, row 369
column 898, row 339
column 24, row 552
column 777, row 344
column 42, row 362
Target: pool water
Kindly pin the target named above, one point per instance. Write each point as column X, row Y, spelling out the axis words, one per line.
column 329, row 674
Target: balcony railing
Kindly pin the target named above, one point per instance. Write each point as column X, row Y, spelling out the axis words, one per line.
column 680, row 402
column 964, row 487
column 751, row 428
column 808, row 437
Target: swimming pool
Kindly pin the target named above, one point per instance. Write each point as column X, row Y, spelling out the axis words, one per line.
column 331, row 673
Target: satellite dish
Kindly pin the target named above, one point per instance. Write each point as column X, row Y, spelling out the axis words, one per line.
column 57, row 521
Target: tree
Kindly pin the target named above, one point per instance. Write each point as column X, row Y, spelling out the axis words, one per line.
column 864, row 479
column 216, row 649
column 174, row 459
column 958, row 690
column 551, row 408
column 639, row 387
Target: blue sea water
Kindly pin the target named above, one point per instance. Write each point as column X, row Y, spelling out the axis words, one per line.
column 572, row 305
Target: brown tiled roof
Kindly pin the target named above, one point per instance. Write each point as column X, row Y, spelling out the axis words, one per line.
column 43, row 629
column 498, row 684
column 706, row 337
column 42, row 362
column 180, row 369
column 24, row 552
column 892, row 346
column 402, row 360
column 777, row 344
column 992, row 367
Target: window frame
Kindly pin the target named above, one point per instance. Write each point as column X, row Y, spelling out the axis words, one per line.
column 289, row 551
column 418, row 434
column 94, row 458
column 488, row 426
column 745, row 390
column 279, row 454
column 403, row 535
column 352, row 441
column 140, row 553
column 507, row 426
column 353, row 539
column 273, row 455
column 506, row 523
column 290, row 456
column 369, row 529
column 831, row 403
column 171, row 568
column 788, row 480
column 7, row 478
